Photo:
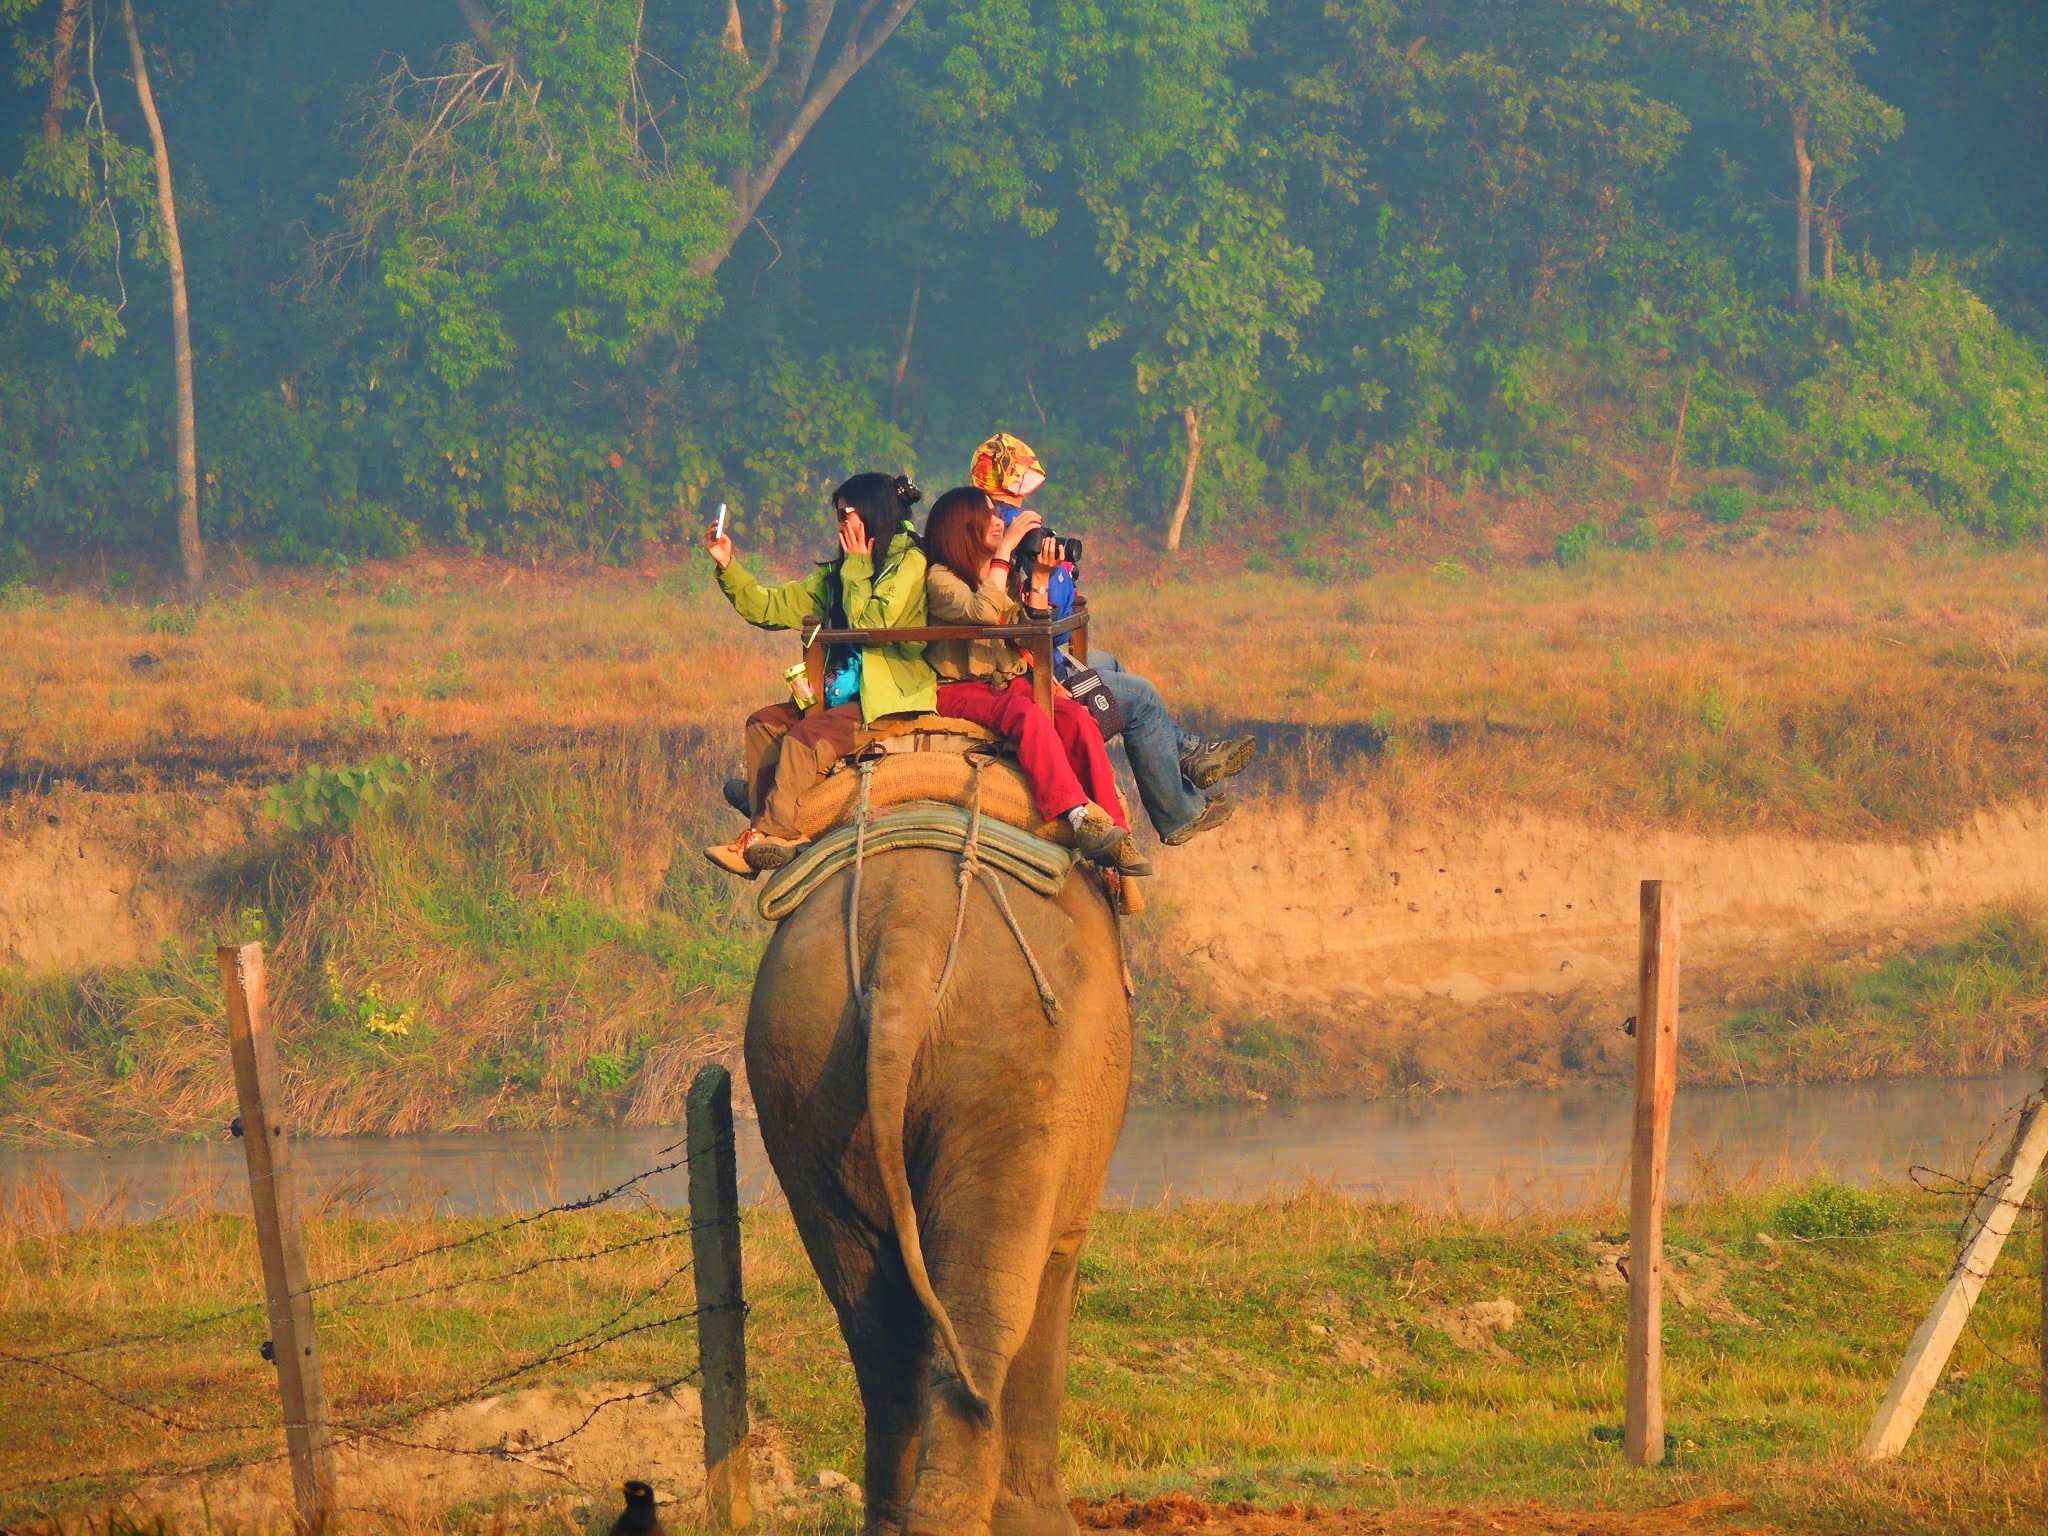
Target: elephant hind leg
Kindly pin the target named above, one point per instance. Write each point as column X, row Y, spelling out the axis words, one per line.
column 890, row 1341
column 1032, row 1500
column 983, row 1256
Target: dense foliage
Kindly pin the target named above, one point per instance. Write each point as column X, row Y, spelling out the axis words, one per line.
column 557, row 273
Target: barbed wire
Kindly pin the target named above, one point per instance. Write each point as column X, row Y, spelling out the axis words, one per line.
column 520, row 1453
column 369, row 1271
column 377, row 1426
column 133, row 1405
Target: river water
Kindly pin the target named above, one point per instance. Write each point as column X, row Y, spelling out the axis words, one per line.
column 1491, row 1152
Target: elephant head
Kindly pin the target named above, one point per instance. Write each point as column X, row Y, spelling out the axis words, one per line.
column 943, row 1155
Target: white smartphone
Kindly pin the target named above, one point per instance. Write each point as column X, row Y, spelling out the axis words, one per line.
column 718, row 532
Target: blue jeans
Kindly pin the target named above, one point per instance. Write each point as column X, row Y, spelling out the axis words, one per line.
column 1154, row 743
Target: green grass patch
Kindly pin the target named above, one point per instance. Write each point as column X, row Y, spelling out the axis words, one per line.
column 1979, row 1004
column 1313, row 1349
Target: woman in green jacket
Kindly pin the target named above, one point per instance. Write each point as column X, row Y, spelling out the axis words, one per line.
column 789, row 749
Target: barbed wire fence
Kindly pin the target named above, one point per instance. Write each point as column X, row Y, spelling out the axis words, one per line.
column 696, row 1288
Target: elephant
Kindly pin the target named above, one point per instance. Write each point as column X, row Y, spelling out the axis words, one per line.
column 943, row 1159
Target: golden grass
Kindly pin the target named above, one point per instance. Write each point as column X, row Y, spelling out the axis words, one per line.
column 1854, row 687
column 1298, row 1350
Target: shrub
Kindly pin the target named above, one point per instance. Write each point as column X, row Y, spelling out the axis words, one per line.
column 1835, row 1210
column 334, row 797
column 1723, row 504
column 1920, row 385
column 1576, row 545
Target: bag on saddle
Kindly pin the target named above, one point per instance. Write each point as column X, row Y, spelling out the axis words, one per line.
column 1084, row 685
column 843, row 686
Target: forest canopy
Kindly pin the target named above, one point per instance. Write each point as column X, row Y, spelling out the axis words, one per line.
column 556, row 274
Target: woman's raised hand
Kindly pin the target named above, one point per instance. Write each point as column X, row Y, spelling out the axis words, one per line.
column 720, row 545
column 1048, row 562
column 853, row 535
column 1013, row 535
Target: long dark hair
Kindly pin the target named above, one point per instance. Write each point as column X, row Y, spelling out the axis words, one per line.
column 954, row 533
column 883, row 502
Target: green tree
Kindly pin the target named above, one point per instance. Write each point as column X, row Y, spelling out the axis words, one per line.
column 1798, row 57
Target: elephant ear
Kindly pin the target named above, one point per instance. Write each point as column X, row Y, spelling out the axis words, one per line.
column 900, row 1006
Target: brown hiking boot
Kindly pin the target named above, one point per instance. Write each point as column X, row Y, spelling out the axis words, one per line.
column 1098, row 834
column 1214, row 814
column 1126, row 859
column 767, row 851
column 732, row 856
column 753, row 851
column 1209, row 763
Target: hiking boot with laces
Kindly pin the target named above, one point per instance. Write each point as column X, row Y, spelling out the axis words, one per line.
column 1209, row 763
column 736, row 796
column 1126, row 859
column 753, row 851
column 767, row 851
column 732, row 856
column 1098, row 834
column 1214, row 814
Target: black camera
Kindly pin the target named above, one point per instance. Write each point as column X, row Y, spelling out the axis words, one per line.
column 1032, row 542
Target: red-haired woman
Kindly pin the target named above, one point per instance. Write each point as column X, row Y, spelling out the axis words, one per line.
column 989, row 681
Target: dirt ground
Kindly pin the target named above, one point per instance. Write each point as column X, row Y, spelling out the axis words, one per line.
column 1181, row 1512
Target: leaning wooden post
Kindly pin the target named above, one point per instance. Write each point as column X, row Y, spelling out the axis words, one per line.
column 1991, row 1219
column 1656, row 1082
column 274, row 1197
column 721, row 1299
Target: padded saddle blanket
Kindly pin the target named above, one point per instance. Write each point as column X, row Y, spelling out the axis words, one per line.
column 1006, row 849
column 930, row 758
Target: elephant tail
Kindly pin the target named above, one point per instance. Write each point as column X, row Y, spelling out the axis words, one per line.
column 901, row 1007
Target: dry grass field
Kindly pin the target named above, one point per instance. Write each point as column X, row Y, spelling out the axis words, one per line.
column 1847, row 687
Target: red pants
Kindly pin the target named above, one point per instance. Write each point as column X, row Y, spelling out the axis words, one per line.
column 1063, row 759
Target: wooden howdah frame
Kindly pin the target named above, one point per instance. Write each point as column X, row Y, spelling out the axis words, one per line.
column 1037, row 640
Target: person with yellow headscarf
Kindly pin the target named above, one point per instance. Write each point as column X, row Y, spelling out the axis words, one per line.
column 1177, row 771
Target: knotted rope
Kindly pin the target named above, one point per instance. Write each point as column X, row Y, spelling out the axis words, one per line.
column 971, row 866
column 860, row 849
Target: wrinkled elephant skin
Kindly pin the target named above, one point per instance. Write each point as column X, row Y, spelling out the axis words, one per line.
column 987, row 1128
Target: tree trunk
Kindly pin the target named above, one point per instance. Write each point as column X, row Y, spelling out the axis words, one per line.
column 1179, row 522
column 1802, row 219
column 903, row 357
column 60, row 69
column 1830, row 232
column 189, row 547
column 1678, row 440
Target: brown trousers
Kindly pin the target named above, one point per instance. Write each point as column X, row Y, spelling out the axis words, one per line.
column 789, row 750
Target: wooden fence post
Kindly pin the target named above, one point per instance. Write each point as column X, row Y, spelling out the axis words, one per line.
column 1991, row 1219
column 721, row 1298
column 1656, row 1082
column 274, row 1197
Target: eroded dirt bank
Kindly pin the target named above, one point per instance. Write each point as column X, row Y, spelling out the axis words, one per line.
column 1337, row 908
column 1310, row 949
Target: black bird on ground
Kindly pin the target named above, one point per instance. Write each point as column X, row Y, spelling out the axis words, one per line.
column 638, row 1517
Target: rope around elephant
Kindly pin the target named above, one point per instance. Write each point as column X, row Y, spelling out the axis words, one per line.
column 971, row 867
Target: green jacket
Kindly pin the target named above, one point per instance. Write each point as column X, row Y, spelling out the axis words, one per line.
column 894, row 679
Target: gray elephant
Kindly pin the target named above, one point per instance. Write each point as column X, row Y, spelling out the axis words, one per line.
column 943, row 1163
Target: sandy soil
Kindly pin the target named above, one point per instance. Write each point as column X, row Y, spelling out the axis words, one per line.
column 1179, row 1512
column 1339, row 911
column 498, row 1449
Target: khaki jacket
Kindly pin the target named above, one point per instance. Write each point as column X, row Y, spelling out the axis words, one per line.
column 951, row 601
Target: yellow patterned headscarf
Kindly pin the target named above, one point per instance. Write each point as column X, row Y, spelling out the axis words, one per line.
column 1003, row 466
